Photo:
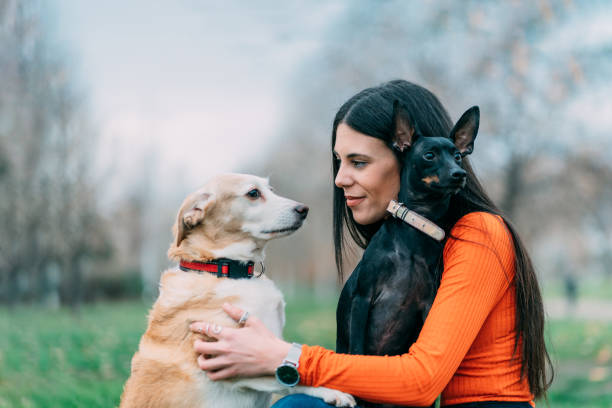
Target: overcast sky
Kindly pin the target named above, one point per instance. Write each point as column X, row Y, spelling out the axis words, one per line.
column 198, row 87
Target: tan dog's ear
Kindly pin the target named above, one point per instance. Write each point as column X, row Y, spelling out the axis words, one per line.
column 191, row 214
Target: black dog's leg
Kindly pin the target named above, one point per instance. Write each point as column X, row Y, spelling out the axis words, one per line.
column 360, row 309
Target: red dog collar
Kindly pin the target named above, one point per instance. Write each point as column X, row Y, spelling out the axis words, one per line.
column 223, row 268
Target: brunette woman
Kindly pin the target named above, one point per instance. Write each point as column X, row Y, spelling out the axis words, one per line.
column 482, row 344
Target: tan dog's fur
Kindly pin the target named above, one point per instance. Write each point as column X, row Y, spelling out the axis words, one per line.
column 216, row 221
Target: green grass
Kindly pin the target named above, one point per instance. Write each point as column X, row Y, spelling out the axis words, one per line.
column 582, row 355
column 58, row 359
column 311, row 320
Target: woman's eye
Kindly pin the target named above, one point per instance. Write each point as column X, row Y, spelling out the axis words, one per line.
column 458, row 157
column 429, row 156
column 359, row 164
column 254, row 194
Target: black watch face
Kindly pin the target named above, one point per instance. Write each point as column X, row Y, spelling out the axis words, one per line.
column 287, row 375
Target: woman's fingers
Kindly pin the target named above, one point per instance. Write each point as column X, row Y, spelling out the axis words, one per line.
column 244, row 351
column 210, row 329
column 216, row 331
column 221, row 374
column 216, row 368
column 209, row 348
column 236, row 313
column 212, row 364
column 233, row 311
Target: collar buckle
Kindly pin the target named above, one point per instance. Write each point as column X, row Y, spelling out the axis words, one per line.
column 223, row 269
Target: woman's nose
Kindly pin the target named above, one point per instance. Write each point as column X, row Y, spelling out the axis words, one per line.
column 343, row 178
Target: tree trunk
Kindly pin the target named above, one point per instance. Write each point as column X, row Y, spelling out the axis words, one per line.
column 514, row 185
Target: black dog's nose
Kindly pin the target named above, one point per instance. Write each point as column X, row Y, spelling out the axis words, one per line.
column 458, row 174
column 302, row 210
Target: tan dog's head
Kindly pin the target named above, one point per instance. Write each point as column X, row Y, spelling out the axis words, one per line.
column 233, row 216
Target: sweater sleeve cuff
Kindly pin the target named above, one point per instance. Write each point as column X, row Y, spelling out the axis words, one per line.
column 308, row 362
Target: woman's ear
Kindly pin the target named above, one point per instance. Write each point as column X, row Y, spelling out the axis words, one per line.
column 465, row 130
column 192, row 213
column 404, row 133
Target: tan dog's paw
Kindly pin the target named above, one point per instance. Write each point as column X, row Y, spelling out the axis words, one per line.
column 337, row 398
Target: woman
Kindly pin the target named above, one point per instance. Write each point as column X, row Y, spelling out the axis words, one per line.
column 482, row 343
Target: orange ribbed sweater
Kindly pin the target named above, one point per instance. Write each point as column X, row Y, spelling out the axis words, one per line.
column 465, row 348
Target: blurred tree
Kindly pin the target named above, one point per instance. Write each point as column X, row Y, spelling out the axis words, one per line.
column 523, row 62
column 48, row 208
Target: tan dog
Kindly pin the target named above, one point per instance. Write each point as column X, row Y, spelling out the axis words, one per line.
column 232, row 217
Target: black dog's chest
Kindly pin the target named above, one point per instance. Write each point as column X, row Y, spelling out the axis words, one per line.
column 384, row 302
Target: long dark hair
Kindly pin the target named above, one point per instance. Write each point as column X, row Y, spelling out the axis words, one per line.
column 371, row 112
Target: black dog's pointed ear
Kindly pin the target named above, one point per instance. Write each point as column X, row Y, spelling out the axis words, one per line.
column 465, row 130
column 404, row 133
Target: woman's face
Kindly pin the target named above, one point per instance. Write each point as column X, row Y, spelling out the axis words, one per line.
column 369, row 174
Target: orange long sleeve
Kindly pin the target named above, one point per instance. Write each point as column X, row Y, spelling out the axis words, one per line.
column 465, row 349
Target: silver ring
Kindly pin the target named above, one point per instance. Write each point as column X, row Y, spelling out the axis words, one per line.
column 243, row 319
column 217, row 329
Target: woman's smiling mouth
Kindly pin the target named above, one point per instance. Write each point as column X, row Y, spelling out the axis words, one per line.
column 352, row 201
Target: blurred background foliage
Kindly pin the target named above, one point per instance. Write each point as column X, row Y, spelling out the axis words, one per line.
column 540, row 71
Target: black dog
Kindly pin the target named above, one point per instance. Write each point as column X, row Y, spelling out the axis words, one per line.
column 384, row 303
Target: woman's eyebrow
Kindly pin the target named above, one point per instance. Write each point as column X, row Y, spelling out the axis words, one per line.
column 352, row 155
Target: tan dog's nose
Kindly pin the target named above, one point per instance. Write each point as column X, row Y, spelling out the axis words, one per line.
column 302, row 210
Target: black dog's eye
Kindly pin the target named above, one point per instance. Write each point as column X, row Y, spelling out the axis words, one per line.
column 254, row 194
column 458, row 157
column 429, row 156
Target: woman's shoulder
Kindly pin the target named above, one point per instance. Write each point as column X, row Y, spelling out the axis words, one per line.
column 484, row 228
column 480, row 219
column 482, row 240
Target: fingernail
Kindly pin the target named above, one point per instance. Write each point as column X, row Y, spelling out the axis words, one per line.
column 198, row 327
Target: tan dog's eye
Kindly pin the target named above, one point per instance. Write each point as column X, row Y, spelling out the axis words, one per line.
column 254, row 194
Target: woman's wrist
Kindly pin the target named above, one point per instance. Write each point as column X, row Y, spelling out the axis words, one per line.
column 281, row 349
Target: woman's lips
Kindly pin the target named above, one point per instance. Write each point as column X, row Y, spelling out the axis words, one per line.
column 352, row 201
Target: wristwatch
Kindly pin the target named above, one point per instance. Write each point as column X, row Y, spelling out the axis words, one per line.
column 287, row 373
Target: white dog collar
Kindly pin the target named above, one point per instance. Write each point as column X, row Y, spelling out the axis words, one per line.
column 399, row 210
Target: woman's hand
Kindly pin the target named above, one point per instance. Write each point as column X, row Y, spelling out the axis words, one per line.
column 246, row 352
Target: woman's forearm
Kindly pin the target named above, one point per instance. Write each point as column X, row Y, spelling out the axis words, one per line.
column 374, row 378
